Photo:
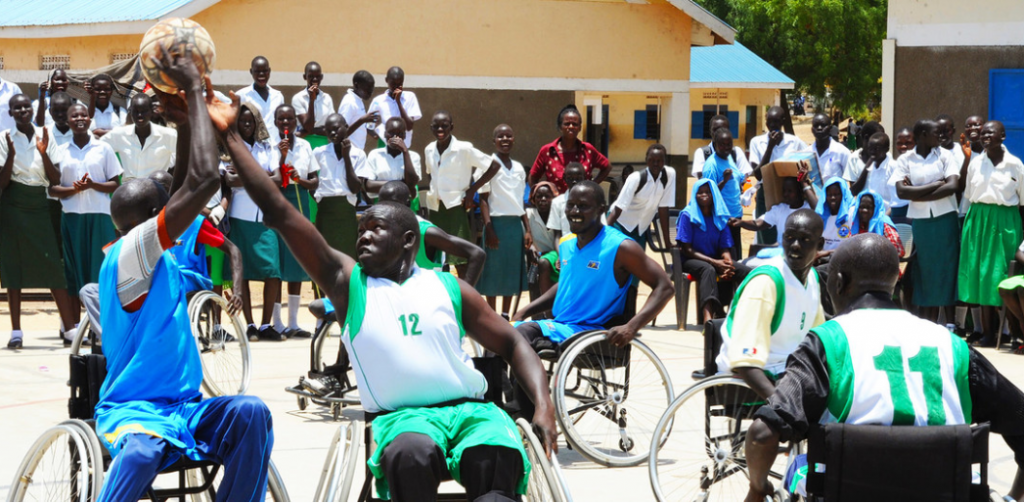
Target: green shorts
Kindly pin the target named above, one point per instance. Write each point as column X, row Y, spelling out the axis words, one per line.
column 217, row 261
column 551, row 257
column 454, row 429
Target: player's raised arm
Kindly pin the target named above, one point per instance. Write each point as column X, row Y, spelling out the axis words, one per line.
column 324, row 264
column 203, row 178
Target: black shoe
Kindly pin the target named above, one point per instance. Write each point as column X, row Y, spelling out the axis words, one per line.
column 975, row 337
column 221, row 335
column 985, row 342
column 269, row 334
column 252, row 333
column 299, row 333
column 14, row 344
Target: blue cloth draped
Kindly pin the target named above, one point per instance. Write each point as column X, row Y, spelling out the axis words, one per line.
column 721, row 211
column 844, row 206
column 878, row 220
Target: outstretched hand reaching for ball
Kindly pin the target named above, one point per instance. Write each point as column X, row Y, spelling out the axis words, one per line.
column 223, row 115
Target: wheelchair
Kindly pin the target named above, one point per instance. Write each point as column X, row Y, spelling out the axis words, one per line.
column 225, row 353
column 324, row 348
column 545, row 482
column 68, row 461
column 700, row 455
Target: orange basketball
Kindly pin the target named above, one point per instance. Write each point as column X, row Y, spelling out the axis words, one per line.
column 176, row 34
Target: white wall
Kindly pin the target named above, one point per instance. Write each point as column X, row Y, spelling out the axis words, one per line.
column 956, row 22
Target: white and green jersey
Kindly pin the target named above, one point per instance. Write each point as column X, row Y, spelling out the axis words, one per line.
column 889, row 367
column 405, row 341
column 795, row 311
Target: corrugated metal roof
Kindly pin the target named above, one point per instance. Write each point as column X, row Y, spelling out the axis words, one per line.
column 63, row 12
column 732, row 63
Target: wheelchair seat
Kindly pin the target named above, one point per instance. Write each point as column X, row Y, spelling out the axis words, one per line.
column 875, row 463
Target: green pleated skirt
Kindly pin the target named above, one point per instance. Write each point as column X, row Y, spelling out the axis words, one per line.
column 291, row 271
column 991, row 236
column 84, row 235
column 937, row 241
column 454, row 221
column 29, row 256
column 258, row 244
column 505, row 269
column 336, row 221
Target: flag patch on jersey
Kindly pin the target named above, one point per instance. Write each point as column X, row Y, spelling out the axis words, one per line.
column 749, row 351
column 593, row 264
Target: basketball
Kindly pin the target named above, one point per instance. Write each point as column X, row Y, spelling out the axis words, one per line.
column 175, row 34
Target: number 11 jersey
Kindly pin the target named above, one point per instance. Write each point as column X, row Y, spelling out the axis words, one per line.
column 405, row 341
column 911, row 372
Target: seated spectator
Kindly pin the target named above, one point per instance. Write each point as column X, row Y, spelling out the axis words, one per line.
column 796, row 195
column 869, row 216
column 704, row 239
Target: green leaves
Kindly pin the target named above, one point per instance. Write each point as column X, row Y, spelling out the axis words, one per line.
column 817, row 43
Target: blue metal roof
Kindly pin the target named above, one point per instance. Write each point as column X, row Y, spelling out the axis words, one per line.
column 62, row 12
column 732, row 63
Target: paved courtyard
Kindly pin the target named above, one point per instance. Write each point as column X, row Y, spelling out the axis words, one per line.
column 34, row 395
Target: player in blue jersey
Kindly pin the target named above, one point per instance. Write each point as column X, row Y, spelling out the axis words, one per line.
column 598, row 264
column 151, row 411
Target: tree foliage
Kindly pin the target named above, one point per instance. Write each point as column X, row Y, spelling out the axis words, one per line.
column 817, row 43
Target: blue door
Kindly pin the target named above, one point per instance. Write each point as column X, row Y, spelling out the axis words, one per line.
column 1006, row 104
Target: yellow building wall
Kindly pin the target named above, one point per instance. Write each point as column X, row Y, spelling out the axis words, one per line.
column 511, row 38
column 86, row 52
column 737, row 100
column 622, row 148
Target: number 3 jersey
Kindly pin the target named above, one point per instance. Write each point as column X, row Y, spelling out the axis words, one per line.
column 405, row 341
column 888, row 367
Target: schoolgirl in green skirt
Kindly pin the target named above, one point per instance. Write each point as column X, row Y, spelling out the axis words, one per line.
column 994, row 185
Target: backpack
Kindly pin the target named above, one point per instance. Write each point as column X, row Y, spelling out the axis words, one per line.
column 647, row 174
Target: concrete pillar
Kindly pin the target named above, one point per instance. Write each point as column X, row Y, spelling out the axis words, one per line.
column 889, row 88
column 675, row 135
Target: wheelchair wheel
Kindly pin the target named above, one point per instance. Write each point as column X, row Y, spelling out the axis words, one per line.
column 608, row 399
column 58, row 467
column 275, row 486
column 546, row 482
column 340, row 465
column 84, row 327
column 704, row 459
column 225, row 352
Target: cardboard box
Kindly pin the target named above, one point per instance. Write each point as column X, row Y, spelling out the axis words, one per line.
column 789, row 166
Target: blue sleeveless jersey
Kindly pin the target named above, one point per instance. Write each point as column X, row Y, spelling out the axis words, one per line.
column 588, row 294
column 153, row 368
column 192, row 258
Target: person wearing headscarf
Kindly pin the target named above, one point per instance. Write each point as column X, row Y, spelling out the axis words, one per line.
column 834, row 210
column 705, row 241
column 258, row 243
column 869, row 216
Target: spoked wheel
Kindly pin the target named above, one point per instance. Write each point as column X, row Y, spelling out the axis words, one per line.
column 609, row 399
column 546, row 482
column 223, row 347
column 327, row 346
column 275, row 486
column 58, row 467
column 704, row 458
column 342, row 461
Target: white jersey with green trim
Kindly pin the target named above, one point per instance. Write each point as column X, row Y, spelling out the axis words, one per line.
column 796, row 308
column 889, row 367
column 405, row 341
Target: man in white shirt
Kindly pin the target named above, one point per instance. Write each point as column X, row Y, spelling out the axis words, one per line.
column 266, row 98
column 397, row 102
column 646, row 193
column 58, row 82
column 452, row 166
column 143, row 147
column 105, row 114
column 354, row 111
column 702, row 154
column 770, row 146
column 311, row 119
column 393, row 162
column 832, row 155
column 8, row 90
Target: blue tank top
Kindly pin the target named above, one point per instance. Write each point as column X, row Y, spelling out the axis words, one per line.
column 588, row 294
column 191, row 258
column 153, row 368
